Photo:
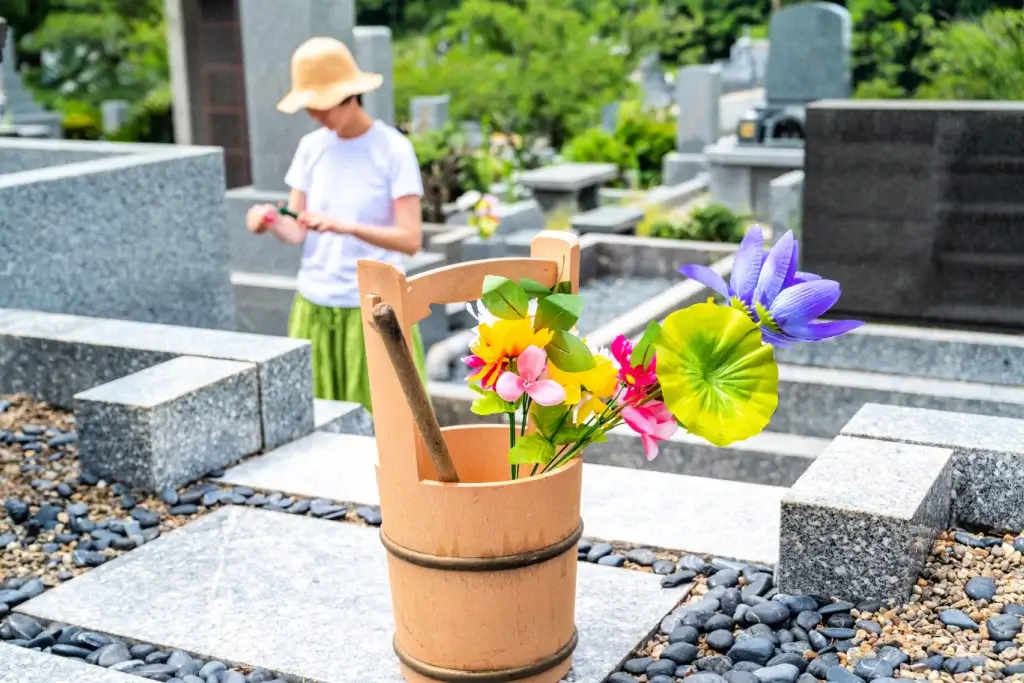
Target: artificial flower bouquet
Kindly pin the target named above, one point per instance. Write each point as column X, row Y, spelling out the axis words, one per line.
column 709, row 368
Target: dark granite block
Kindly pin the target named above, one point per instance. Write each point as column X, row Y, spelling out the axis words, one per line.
column 861, row 521
column 170, row 424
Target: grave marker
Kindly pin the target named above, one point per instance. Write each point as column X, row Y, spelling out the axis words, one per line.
column 428, row 113
column 16, row 103
column 810, row 54
column 373, row 54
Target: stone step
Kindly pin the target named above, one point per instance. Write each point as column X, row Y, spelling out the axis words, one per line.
column 341, row 417
column 307, row 599
column 918, row 351
column 820, row 401
column 170, row 424
column 643, row 507
column 18, row 665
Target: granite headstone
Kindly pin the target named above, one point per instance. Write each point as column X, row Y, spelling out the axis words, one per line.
column 810, row 54
column 373, row 54
column 698, row 91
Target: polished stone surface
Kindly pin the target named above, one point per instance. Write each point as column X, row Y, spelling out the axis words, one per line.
column 306, row 598
column 810, row 55
column 18, row 665
column 861, row 521
column 913, row 206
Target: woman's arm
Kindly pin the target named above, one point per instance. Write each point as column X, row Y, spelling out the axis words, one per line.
column 288, row 229
column 406, row 236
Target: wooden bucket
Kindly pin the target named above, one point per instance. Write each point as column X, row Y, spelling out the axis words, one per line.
column 483, row 572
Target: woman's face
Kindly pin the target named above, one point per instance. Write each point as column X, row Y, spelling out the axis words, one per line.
column 337, row 118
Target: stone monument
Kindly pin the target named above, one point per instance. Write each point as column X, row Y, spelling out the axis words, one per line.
column 809, row 60
column 698, row 93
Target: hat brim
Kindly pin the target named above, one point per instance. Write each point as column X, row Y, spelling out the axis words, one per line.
column 331, row 96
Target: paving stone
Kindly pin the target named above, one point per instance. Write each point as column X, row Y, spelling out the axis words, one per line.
column 268, row 589
column 342, row 417
column 861, row 521
column 726, row 518
column 338, row 467
column 169, row 424
column 18, row 665
column 988, row 457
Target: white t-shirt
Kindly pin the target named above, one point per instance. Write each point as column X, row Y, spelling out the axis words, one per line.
column 354, row 180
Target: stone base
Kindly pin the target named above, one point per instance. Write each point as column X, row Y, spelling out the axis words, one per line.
column 342, row 417
column 740, row 177
column 861, row 522
column 678, row 168
column 307, row 599
column 170, row 424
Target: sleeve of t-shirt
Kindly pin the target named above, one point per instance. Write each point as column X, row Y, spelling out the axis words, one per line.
column 297, row 176
column 405, row 171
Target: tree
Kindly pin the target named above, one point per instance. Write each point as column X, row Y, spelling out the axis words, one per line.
column 704, row 30
column 524, row 66
column 98, row 50
column 976, row 60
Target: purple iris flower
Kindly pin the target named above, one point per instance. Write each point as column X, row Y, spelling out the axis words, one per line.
column 769, row 289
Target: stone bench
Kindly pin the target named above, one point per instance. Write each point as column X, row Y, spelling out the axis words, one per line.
column 859, row 524
column 170, row 424
column 575, row 186
column 615, row 220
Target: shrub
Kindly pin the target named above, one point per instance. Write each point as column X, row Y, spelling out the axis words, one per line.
column 711, row 223
column 597, row 145
column 450, row 168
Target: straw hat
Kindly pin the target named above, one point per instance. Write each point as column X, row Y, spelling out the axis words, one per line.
column 323, row 74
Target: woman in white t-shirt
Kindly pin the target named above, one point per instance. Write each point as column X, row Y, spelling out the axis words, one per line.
column 355, row 194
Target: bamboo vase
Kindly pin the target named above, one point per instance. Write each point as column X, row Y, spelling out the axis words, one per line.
column 483, row 571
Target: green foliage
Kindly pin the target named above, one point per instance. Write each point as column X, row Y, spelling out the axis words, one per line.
column 526, row 65
column 701, row 31
column 976, row 60
column 103, row 50
column 710, row 223
column 641, row 140
column 450, row 167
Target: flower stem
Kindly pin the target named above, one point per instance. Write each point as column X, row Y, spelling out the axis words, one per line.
column 513, row 470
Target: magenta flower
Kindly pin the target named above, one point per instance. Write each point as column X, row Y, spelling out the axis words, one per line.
column 531, row 364
column 653, row 422
column 638, row 379
column 769, row 289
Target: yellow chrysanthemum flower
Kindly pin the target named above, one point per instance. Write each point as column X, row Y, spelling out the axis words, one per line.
column 503, row 340
column 601, row 380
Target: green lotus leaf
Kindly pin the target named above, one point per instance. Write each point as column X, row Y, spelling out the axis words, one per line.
column 717, row 376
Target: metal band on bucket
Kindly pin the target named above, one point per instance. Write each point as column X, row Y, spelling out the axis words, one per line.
column 483, row 564
column 518, row 673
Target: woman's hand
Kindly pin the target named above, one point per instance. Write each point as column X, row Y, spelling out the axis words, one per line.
column 260, row 217
column 314, row 220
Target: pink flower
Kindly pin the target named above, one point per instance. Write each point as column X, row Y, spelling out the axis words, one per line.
column 653, row 422
column 637, row 378
column 531, row 364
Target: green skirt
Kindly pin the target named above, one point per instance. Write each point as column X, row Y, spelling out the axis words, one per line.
column 339, row 355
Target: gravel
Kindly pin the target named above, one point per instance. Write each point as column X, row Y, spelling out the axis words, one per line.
column 963, row 623
column 57, row 521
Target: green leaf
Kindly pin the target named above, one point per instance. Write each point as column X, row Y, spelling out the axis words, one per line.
column 568, row 353
column 570, row 434
column 717, row 375
column 491, row 404
column 534, row 289
column 644, row 349
column 558, row 312
column 563, row 287
column 532, row 448
column 548, row 419
column 504, row 298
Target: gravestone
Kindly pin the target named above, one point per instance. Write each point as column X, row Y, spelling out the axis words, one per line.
column 428, row 113
column 698, row 93
column 810, row 55
column 915, row 207
column 657, row 92
column 115, row 114
column 373, row 54
column 17, row 106
column 610, row 116
column 271, row 31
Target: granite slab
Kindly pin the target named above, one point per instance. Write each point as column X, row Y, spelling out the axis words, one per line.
column 918, row 351
column 18, row 665
column 861, row 521
column 307, row 599
column 988, row 459
column 817, row 401
column 170, row 424
column 725, row 518
column 571, row 177
column 342, row 417
column 608, row 219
